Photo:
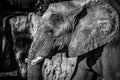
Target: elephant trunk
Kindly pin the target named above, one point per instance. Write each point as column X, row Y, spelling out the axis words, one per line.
column 39, row 48
column 34, row 72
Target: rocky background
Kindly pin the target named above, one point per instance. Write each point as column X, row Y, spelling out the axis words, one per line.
column 13, row 40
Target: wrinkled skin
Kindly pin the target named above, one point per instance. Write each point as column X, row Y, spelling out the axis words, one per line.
column 92, row 30
column 59, row 67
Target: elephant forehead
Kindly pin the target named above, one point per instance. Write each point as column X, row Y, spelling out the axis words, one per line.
column 65, row 8
column 57, row 14
column 98, row 27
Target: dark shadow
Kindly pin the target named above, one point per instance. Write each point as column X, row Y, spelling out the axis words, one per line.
column 79, row 16
column 92, row 57
column 9, row 78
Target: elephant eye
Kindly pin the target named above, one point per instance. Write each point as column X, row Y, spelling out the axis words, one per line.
column 49, row 31
column 56, row 19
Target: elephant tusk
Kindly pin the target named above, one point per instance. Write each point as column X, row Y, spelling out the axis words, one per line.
column 36, row 60
column 26, row 60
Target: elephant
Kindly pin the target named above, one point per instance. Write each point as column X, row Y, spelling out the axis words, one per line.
column 87, row 31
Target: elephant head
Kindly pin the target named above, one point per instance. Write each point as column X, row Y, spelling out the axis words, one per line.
column 82, row 26
column 54, row 28
column 87, row 25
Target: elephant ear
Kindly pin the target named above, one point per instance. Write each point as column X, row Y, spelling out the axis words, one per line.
column 98, row 27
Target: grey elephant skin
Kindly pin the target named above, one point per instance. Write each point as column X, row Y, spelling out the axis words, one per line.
column 98, row 27
column 94, row 52
column 89, row 29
